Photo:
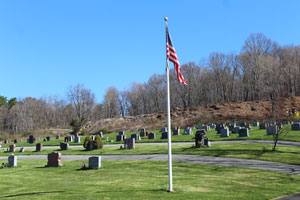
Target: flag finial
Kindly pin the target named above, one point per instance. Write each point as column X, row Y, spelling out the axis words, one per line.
column 166, row 19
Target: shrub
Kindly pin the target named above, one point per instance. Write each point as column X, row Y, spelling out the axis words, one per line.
column 98, row 144
column 83, row 132
column 86, row 141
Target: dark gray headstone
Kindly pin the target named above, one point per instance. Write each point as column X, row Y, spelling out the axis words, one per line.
column 12, row 148
column 119, row 138
column 296, row 126
column 271, row 130
column 95, row 162
column 188, row 131
column 48, row 138
column 244, row 132
column 151, row 136
column 90, row 145
column 255, row 124
column 129, row 143
column 39, row 147
column 77, row 139
column 236, row 129
column 54, row 159
column 176, row 132
column 64, row 146
column 164, row 135
column 12, row 161
column 224, row 132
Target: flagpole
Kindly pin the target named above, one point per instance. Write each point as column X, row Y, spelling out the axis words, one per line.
column 169, row 123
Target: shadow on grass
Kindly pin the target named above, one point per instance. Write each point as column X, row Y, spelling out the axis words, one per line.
column 30, row 193
column 153, row 190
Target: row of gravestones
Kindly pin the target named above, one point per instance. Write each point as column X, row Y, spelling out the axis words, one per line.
column 39, row 147
column 54, row 160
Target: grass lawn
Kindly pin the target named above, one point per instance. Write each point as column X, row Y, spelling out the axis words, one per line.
column 255, row 134
column 283, row 154
column 141, row 180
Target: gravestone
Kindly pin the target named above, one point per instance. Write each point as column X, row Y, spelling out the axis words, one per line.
column 12, row 161
column 296, row 126
column 119, row 138
column 164, row 135
column 176, row 131
column 15, row 140
column 121, row 133
column 248, row 126
column 31, row 139
column 64, row 146
column 164, row 129
column 212, row 126
column 200, row 127
column 48, row 138
column 136, row 136
column 39, row 147
column 219, row 127
column 94, row 162
column 107, row 138
column 151, row 136
column 286, row 122
column 224, row 132
column 188, row 131
column 206, row 142
column 54, row 159
column 58, row 137
column 77, row 139
column 242, row 124
column 66, row 139
column 244, row 132
column 206, row 128
column 12, row 148
column 255, row 124
column 143, row 132
column 129, row 143
column 236, row 129
column 6, row 141
column 70, row 139
column 271, row 130
column 22, row 149
column 90, row 146
column 262, row 126
column 0, row 144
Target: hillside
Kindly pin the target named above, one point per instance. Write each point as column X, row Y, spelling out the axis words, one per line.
column 223, row 112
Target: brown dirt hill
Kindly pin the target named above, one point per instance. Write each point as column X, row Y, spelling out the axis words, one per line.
column 222, row 112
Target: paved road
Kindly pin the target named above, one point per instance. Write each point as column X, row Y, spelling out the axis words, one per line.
column 195, row 159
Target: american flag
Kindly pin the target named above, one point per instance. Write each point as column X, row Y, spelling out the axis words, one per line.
column 172, row 56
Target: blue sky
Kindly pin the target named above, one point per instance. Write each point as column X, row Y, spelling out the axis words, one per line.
column 46, row 46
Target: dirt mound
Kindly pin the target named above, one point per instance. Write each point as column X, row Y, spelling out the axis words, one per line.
column 223, row 112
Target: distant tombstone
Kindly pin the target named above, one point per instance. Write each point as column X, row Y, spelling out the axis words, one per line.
column 15, row 140
column 6, row 141
column 236, row 129
column 100, row 134
column 143, row 132
column 176, row 131
column 12, row 148
column 244, row 132
column 248, row 126
column 206, row 128
column 121, row 133
column 22, row 149
column 31, row 139
column 94, row 162
column 286, row 122
column 48, row 138
column 119, row 138
column 262, row 126
column 151, row 136
column 242, row 124
column 0, row 144
column 129, row 143
column 39, row 147
column 90, row 146
column 296, row 126
column 206, row 142
column 77, row 139
column 64, row 146
column 164, row 129
column 70, row 139
column 188, row 131
column 93, row 137
column 219, row 127
column 224, row 132
column 200, row 127
column 272, row 130
column 54, row 159
column 212, row 126
column 164, row 135
column 58, row 137
column 107, row 138
column 12, row 161
column 255, row 124
column 136, row 136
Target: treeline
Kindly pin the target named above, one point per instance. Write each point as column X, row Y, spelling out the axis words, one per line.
column 262, row 70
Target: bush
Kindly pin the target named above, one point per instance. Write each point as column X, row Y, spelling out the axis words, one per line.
column 86, row 141
column 98, row 144
column 83, row 132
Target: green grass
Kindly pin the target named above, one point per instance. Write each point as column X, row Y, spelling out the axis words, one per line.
column 283, row 154
column 255, row 134
column 141, row 180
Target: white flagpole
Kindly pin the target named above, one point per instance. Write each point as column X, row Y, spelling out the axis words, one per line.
column 169, row 124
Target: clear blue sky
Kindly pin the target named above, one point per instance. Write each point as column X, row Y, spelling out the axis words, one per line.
column 48, row 45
